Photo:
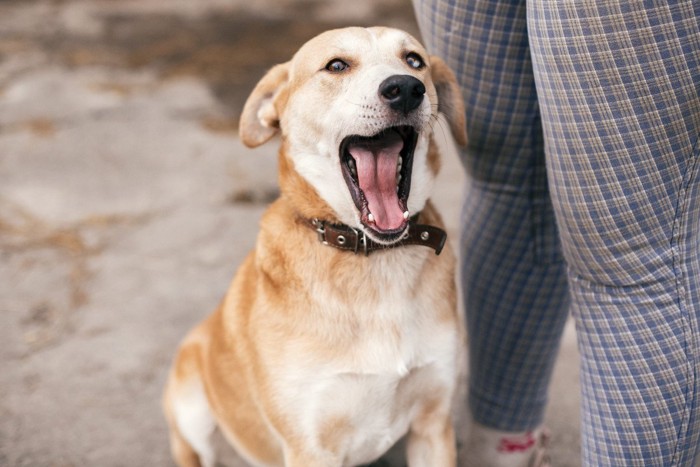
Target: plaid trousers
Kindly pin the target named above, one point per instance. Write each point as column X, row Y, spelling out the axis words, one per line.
column 583, row 195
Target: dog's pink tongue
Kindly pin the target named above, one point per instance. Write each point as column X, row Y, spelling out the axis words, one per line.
column 376, row 172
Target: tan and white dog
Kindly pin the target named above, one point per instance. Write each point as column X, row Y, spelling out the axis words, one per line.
column 339, row 333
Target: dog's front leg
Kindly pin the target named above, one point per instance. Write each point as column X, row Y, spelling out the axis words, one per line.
column 431, row 441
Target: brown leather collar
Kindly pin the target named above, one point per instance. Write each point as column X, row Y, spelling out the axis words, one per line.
column 346, row 238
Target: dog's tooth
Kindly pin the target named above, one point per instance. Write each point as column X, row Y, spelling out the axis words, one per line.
column 405, row 214
column 370, row 217
column 352, row 166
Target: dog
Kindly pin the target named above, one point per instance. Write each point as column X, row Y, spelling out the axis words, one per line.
column 339, row 334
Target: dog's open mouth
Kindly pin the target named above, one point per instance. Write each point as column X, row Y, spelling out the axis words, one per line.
column 377, row 170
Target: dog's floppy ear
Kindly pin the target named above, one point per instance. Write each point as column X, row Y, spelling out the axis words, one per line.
column 260, row 117
column 450, row 102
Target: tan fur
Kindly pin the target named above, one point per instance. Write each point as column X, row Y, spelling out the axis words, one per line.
column 288, row 362
column 451, row 99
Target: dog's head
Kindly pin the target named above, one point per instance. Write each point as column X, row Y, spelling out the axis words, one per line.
column 356, row 108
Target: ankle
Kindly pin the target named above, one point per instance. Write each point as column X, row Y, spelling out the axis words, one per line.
column 488, row 447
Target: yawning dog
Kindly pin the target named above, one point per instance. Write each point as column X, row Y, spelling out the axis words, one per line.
column 339, row 334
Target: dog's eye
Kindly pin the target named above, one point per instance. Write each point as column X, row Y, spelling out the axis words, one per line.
column 336, row 65
column 414, row 61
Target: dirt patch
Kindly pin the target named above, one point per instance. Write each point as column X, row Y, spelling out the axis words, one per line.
column 27, row 239
column 260, row 196
column 42, row 127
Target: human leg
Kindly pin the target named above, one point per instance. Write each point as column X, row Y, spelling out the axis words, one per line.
column 619, row 91
column 513, row 276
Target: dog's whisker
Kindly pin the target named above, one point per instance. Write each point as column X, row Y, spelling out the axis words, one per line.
column 357, row 104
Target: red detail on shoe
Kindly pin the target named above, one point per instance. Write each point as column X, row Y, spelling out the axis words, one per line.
column 517, row 443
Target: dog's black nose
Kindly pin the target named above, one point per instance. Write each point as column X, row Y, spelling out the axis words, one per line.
column 402, row 92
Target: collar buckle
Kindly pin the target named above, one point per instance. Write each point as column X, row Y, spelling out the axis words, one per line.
column 320, row 230
column 360, row 239
column 363, row 240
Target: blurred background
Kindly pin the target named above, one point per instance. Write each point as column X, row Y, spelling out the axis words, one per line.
column 127, row 203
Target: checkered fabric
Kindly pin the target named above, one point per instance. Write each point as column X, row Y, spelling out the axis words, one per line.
column 600, row 101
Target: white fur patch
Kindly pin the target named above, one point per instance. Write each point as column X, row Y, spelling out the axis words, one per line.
column 196, row 422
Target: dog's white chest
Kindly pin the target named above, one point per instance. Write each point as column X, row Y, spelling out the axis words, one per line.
column 381, row 408
column 370, row 394
column 360, row 415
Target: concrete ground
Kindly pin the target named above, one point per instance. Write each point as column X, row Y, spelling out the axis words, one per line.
column 127, row 202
